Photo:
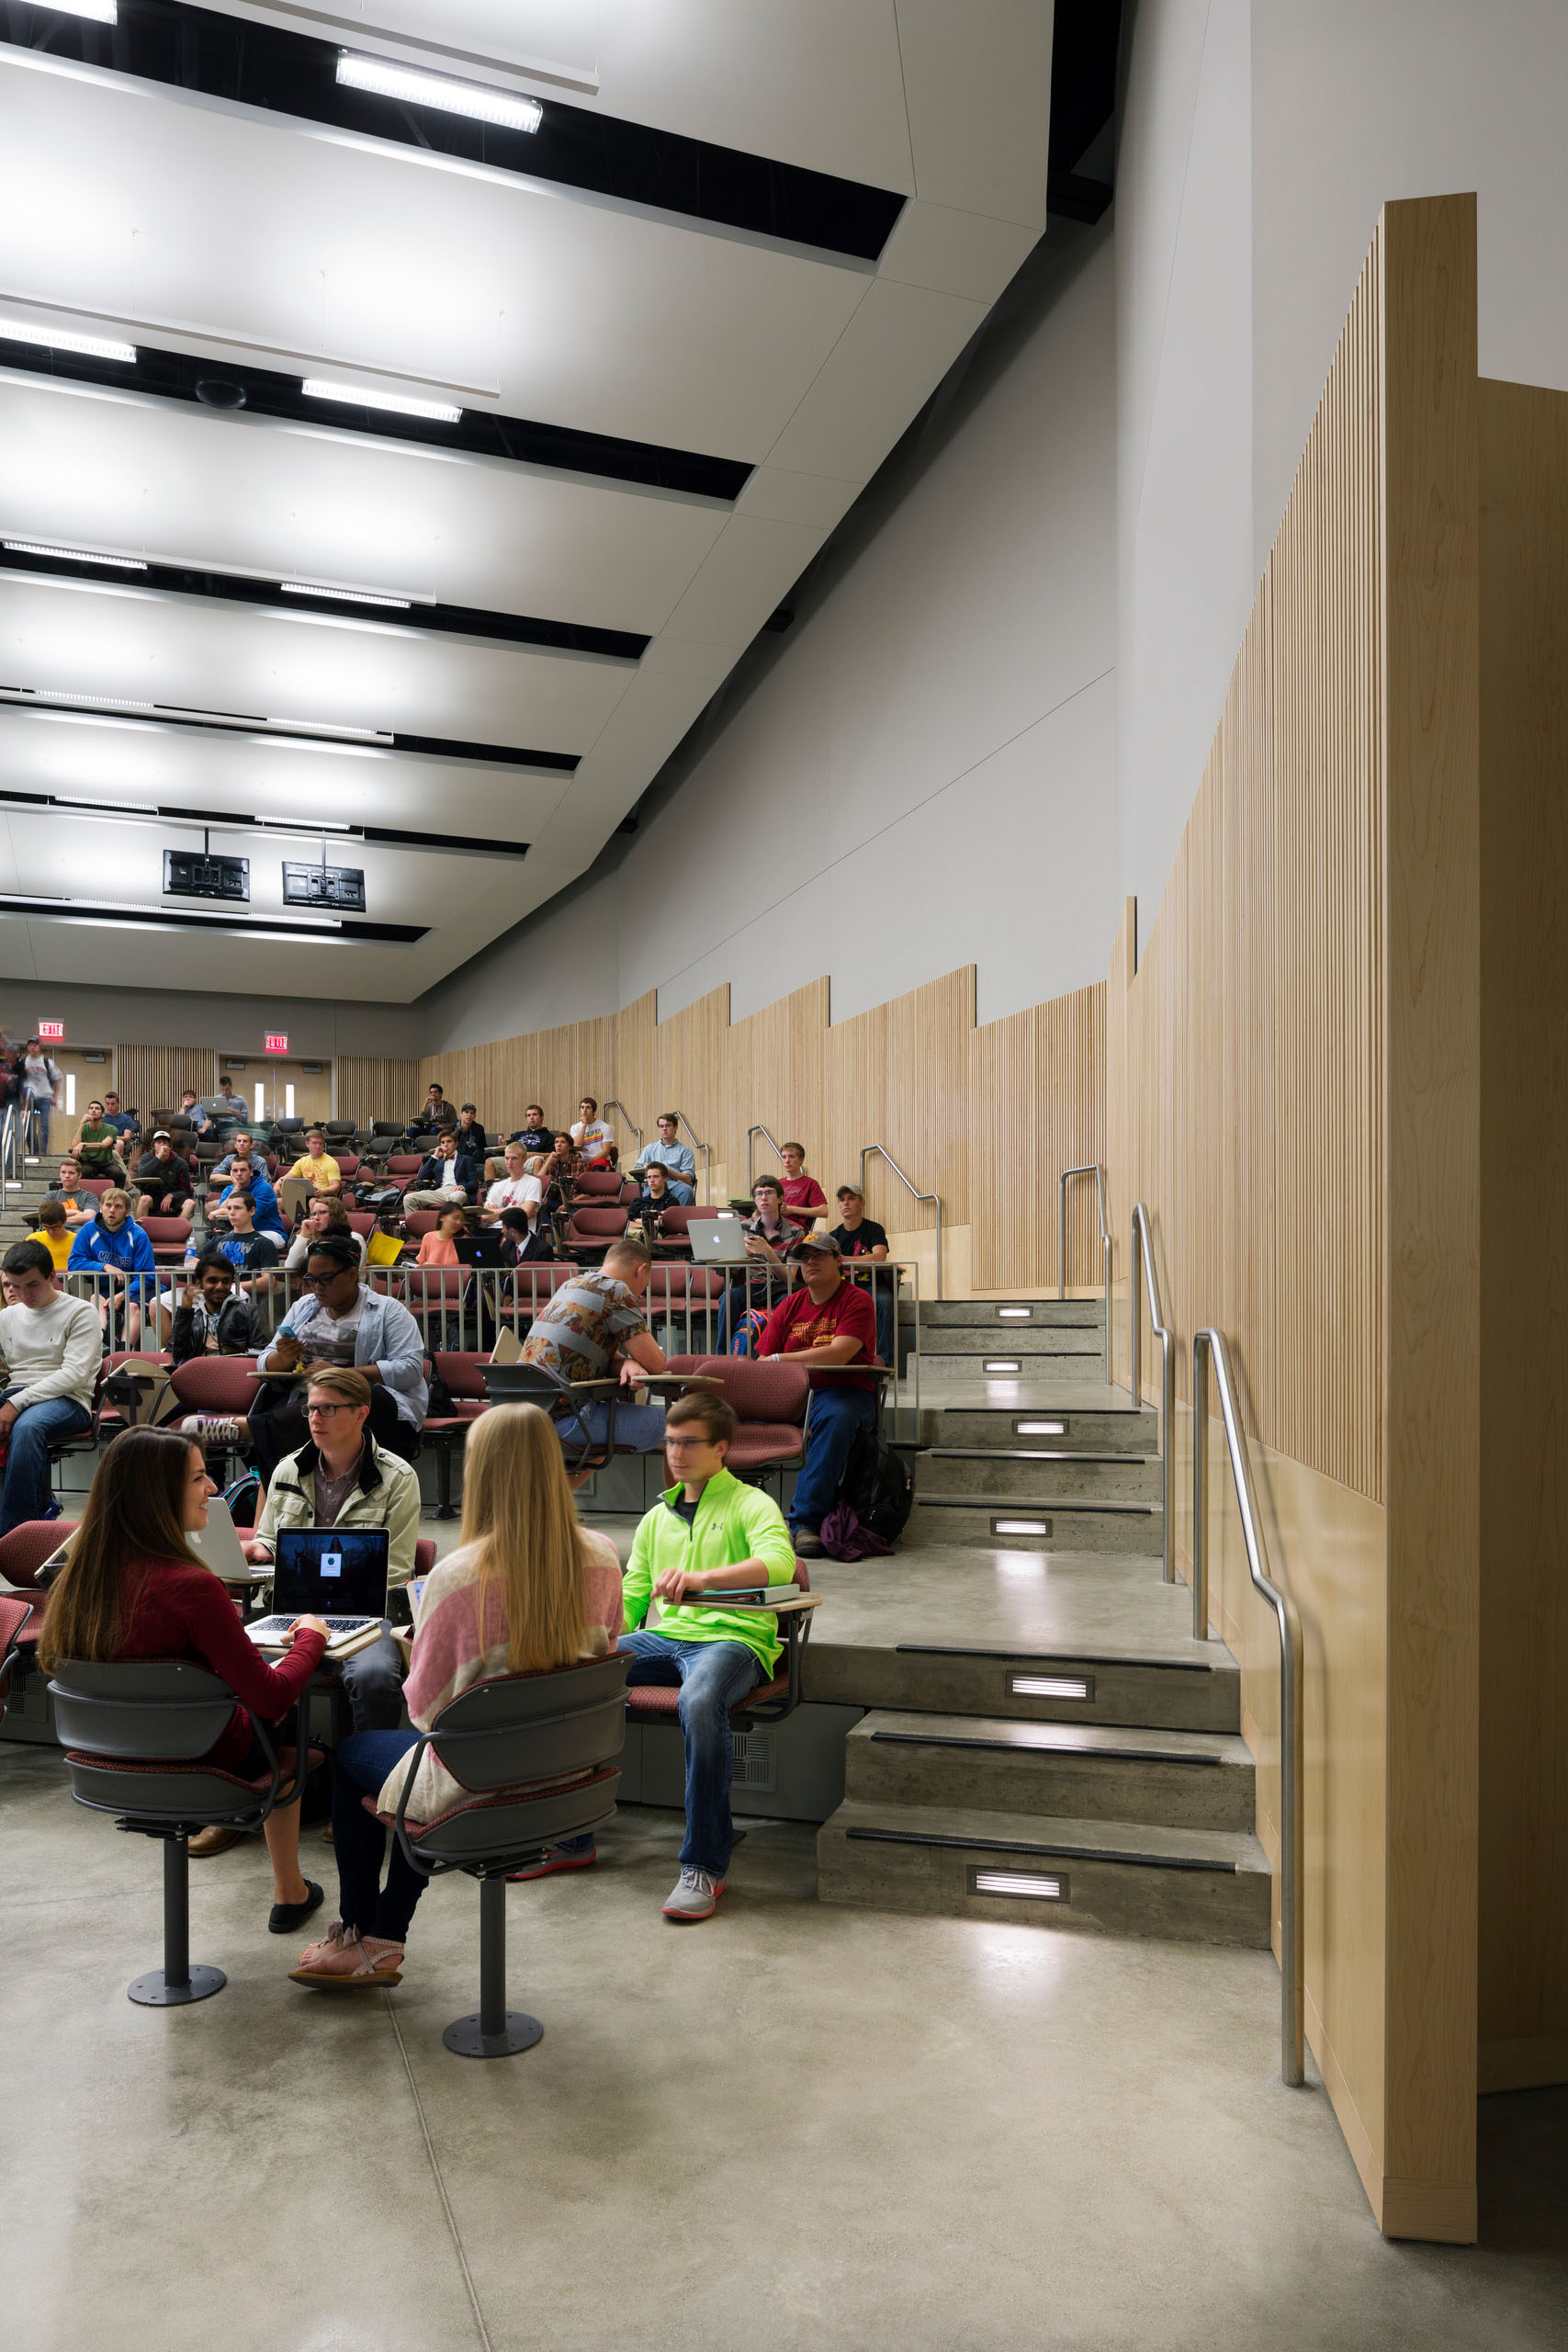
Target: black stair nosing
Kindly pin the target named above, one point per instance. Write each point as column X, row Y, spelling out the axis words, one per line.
column 1063, row 1658
column 1056, row 1412
column 1068, row 1854
column 1116, row 1505
column 1042, row 1748
column 1112, row 1458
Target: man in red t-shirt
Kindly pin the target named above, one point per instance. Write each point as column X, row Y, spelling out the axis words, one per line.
column 828, row 1321
column 804, row 1196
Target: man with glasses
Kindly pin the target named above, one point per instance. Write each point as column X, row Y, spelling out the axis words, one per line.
column 676, row 1159
column 340, row 1322
column 341, row 1477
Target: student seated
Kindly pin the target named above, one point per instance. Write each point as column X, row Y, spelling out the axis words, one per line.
column 339, row 1321
column 341, row 1477
column 534, row 1134
column 221, row 1113
column 770, row 1237
column 212, row 1317
column 658, row 1195
column 253, row 1255
column 592, row 1328
column 437, row 1181
column 707, row 1533
column 247, row 1178
column 514, row 1191
column 317, row 1165
column 95, row 1146
column 827, row 1321
column 674, row 1157
column 472, row 1144
column 527, row 1591
column 593, row 1137
column 122, row 1122
column 53, row 1232
column 53, row 1346
column 166, row 1186
column 131, row 1587
column 81, row 1207
column 241, row 1145
column 804, row 1196
column 439, row 1248
column 436, row 1113
column 114, row 1248
column 324, row 1214
column 859, row 1235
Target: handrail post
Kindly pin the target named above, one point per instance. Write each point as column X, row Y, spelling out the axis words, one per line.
column 706, row 1151
column 1090, row 1168
column 1209, row 1347
column 1062, row 1232
column 933, row 1198
column 1144, row 1255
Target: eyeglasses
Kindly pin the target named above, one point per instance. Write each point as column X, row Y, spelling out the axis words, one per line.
column 324, row 1282
column 325, row 1412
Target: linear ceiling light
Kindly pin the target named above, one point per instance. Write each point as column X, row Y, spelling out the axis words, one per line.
column 107, row 807
column 73, row 555
column 93, row 346
column 103, row 702
column 399, row 404
column 340, row 595
column 444, row 90
column 102, row 12
column 330, row 727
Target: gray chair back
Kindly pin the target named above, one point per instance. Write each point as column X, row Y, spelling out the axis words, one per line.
column 519, row 1729
column 136, row 1709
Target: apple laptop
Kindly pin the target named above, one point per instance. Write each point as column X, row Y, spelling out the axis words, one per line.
column 218, row 1545
column 335, row 1573
column 718, row 1240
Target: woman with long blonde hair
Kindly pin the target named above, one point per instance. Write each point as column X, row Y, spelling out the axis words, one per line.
column 526, row 1591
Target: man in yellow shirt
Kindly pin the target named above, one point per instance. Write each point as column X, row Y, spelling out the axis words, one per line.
column 317, row 1164
column 54, row 1233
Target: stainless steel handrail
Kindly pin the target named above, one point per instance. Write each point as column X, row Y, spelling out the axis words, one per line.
column 610, row 1104
column 1097, row 1172
column 759, row 1130
column 934, row 1198
column 1142, row 1246
column 706, row 1151
column 1209, row 1347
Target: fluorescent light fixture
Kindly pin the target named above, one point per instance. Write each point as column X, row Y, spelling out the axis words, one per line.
column 75, row 555
column 1051, row 1686
column 1021, row 1527
column 1040, row 1429
column 107, row 807
column 330, row 727
column 301, row 825
column 1030, row 1887
column 101, row 702
column 101, row 12
column 94, row 347
column 478, row 99
column 340, row 595
column 398, row 404
column 1001, row 1364
column 1014, row 1314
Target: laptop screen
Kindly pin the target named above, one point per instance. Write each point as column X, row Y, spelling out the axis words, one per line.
column 330, row 1571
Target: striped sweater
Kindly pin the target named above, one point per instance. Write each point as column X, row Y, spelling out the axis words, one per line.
column 451, row 1651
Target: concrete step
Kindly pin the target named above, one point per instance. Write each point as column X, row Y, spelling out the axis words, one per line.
column 1012, row 1315
column 1030, row 1341
column 1038, row 1523
column 948, row 1471
column 1181, row 1780
column 1196, row 1686
column 1100, row 1877
column 1100, row 1429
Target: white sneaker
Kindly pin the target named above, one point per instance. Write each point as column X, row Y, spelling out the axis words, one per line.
column 215, row 1429
column 695, row 1897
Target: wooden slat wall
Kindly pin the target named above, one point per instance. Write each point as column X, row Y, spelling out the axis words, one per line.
column 154, row 1077
column 370, row 1086
column 1040, row 1076
column 1293, row 1090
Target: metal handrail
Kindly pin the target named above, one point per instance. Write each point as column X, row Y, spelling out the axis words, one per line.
column 610, row 1104
column 934, row 1198
column 1097, row 1172
column 1209, row 1346
column 759, row 1130
column 1142, row 1246
column 706, row 1151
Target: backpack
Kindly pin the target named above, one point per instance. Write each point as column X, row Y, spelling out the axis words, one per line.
column 243, row 1496
column 877, row 1486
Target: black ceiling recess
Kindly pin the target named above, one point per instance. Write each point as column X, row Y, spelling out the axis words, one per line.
column 288, row 73
column 1085, row 44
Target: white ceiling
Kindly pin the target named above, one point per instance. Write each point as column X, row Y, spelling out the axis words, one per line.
column 203, row 227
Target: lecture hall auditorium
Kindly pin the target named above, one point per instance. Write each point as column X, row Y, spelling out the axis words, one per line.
column 781, row 1164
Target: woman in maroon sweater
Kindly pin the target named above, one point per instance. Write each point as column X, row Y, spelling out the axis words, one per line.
column 133, row 1588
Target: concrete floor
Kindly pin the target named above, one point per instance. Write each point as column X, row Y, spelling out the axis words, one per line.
column 796, row 2125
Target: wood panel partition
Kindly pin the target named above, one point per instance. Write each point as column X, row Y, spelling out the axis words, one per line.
column 366, row 1087
column 1294, row 1076
column 154, row 1077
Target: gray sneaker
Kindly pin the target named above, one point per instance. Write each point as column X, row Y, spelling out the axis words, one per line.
column 696, row 1897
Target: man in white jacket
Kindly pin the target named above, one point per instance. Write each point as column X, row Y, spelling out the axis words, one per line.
column 52, row 1349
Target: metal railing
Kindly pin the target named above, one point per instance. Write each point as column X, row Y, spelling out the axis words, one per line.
column 698, row 1144
column 1209, row 1347
column 759, row 1130
column 933, row 1198
column 1142, row 1250
column 1097, row 1172
column 613, row 1105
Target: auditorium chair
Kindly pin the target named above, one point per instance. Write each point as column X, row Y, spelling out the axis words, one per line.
column 347, row 1164
column 83, row 1441
column 170, row 1236
column 361, row 1221
column 591, row 1230
column 602, row 1185
column 417, row 1223
column 770, row 1702
column 337, row 1131
column 226, row 1384
column 769, row 1400
column 111, row 1420
column 536, row 1754
column 462, row 1369
column 22, row 1554
column 674, row 1226
column 402, row 1167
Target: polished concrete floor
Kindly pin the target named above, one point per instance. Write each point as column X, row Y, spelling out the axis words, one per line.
column 795, row 2126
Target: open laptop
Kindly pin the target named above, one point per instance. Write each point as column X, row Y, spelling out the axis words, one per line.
column 218, row 1545
column 335, row 1573
column 293, row 1194
column 481, row 1248
column 718, row 1240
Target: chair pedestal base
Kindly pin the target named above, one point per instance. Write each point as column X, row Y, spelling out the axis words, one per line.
column 468, row 2039
column 155, row 1991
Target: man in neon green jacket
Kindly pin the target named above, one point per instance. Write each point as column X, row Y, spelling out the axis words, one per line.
column 706, row 1535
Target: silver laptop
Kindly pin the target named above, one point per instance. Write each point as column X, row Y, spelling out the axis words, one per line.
column 218, row 1545
column 338, row 1573
column 718, row 1240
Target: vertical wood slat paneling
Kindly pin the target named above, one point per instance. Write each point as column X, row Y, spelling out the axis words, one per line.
column 374, row 1086
column 154, row 1077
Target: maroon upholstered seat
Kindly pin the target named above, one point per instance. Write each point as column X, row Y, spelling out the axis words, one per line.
column 28, row 1545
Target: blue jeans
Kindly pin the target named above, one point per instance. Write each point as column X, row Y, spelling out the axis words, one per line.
column 42, row 1109
column 373, row 1684
column 26, row 1494
column 714, row 1676
column 359, row 1841
column 640, row 1428
column 836, row 1413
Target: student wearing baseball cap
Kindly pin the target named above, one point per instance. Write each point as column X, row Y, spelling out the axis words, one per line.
column 828, row 1320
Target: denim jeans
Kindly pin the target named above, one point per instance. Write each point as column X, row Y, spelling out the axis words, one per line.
column 373, row 1684
column 714, row 1676
column 359, row 1841
column 42, row 1109
column 640, row 1428
column 25, row 1493
column 836, row 1413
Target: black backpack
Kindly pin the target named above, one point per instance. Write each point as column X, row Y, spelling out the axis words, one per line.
column 877, row 1486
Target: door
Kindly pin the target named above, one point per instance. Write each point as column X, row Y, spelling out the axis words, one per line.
column 283, row 1079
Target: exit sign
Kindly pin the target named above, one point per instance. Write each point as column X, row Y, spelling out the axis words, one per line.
column 54, row 1030
column 277, row 1041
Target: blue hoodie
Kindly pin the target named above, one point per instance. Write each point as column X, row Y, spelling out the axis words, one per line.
column 95, row 1244
column 268, row 1217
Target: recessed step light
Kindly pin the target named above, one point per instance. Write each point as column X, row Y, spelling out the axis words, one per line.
column 1040, row 1429
column 1027, row 1886
column 481, row 100
column 92, row 347
column 1051, row 1686
column 1014, row 1314
column 73, row 555
column 1021, row 1527
column 398, row 403
column 1001, row 1364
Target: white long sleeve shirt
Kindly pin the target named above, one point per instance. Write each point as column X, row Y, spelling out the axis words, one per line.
column 52, row 1351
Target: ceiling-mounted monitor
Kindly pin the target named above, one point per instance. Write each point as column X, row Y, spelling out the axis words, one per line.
column 188, row 875
column 341, row 887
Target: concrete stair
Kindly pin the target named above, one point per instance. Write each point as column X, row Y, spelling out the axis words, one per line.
column 1179, row 1780
column 1038, row 1336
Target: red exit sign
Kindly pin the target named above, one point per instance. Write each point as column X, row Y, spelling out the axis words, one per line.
column 53, row 1030
column 277, row 1041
